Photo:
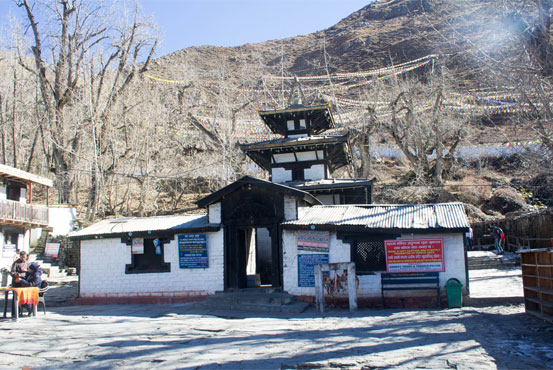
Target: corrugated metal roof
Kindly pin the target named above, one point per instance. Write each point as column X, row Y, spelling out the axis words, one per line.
column 143, row 224
column 378, row 216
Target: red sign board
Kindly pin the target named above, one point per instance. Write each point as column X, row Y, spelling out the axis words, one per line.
column 310, row 240
column 415, row 255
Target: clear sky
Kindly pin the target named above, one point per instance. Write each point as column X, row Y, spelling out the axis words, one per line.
column 237, row 22
column 186, row 23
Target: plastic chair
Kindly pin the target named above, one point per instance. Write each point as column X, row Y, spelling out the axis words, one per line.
column 43, row 289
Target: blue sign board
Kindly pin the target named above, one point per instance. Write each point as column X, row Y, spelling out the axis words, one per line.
column 193, row 251
column 306, row 269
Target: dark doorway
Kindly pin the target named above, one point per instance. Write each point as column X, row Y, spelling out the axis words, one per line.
column 252, row 257
column 253, row 249
column 13, row 191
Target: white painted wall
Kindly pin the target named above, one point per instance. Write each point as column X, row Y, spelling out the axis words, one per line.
column 3, row 192
column 280, row 175
column 103, row 270
column 339, row 252
column 290, row 208
column 454, row 256
column 369, row 285
column 315, row 172
column 307, row 156
column 214, row 213
column 284, row 157
column 329, row 199
column 23, row 196
column 7, row 260
column 22, row 244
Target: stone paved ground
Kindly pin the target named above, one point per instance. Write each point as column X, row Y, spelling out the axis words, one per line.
column 488, row 334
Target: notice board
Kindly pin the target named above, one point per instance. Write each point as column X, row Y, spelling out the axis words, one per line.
column 8, row 250
column 193, row 251
column 316, row 241
column 306, row 269
column 51, row 250
column 415, row 255
column 137, row 246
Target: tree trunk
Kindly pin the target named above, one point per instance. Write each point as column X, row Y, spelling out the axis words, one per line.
column 362, row 142
column 14, row 135
column 2, row 122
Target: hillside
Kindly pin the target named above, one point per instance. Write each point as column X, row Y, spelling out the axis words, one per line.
column 443, row 100
column 380, row 34
column 467, row 36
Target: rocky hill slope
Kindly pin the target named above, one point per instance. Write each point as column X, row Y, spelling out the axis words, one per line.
column 471, row 37
column 382, row 33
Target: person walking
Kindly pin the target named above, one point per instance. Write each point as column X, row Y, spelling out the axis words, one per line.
column 468, row 235
column 496, row 232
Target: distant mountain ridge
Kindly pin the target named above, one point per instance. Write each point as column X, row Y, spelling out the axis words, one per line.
column 381, row 33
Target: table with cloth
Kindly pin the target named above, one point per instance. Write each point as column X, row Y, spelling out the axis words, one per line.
column 20, row 296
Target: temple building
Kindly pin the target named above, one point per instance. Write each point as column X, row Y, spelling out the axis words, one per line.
column 308, row 153
column 271, row 234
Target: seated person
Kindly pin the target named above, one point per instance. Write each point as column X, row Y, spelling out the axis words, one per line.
column 19, row 267
column 16, row 255
column 33, row 278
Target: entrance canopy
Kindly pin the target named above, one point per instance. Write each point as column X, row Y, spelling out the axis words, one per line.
column 247, row 183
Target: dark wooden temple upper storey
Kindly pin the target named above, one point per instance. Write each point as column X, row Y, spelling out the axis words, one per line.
column 299, row 120
column 307, row 154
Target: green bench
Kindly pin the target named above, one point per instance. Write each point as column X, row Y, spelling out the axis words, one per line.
column 410, row 281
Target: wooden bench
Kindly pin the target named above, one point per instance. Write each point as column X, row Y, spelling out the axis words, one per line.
column 410, row 281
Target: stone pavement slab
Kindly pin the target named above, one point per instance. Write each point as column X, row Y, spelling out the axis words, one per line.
column 495, row 333
column 178, row 336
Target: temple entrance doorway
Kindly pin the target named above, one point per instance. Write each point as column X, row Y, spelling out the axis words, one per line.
column 251, row 212
column 253, row 257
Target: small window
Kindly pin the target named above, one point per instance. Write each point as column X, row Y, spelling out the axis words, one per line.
column 290, row 125
column 369, row 256
column 149, row 261
column 302, row 124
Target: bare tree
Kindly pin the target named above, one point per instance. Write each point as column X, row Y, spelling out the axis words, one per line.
column 81, row 35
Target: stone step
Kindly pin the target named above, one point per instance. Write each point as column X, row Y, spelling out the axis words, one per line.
column 48, row 266
column 294, row 307
column 489, row 260
column 253, row 300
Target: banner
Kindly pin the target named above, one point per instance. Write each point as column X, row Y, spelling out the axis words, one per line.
column 415, row 255
column 317, row 241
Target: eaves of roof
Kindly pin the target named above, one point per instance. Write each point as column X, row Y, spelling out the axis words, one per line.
column 247, row 180
column 146, row 226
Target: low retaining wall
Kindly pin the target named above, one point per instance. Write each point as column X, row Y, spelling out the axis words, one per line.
column 376, row 302
column 141, row 299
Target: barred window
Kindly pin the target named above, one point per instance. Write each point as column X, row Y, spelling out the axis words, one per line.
column 369, row 256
